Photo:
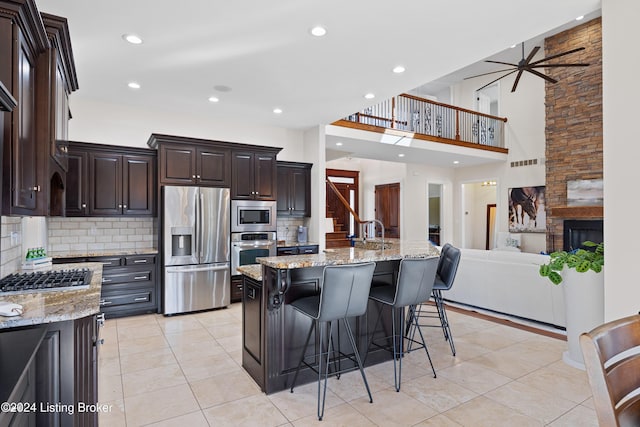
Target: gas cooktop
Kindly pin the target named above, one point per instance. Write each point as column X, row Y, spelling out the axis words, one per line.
column 46, row 280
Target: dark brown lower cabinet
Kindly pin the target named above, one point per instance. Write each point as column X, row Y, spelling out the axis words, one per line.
column 236, row 288
column 55, row 374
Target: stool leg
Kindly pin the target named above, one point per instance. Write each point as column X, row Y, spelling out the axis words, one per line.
column 397, row 352
column 424, row 344
column 355, row 351
column 444, row 320
column 326, row 369
column 304, row 350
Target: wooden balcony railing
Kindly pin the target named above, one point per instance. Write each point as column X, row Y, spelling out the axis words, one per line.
column 433, row 120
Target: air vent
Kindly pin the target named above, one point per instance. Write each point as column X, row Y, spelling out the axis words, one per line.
column 528, row 162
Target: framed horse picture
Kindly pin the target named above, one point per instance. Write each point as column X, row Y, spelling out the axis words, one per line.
column 527, row 210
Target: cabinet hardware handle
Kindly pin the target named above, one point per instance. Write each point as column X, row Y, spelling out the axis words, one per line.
column 36, row 188
column 140, row 299
column 119, row 206
column 124, row 206
column 193, row 177
column 139, row 261
column 106, row 280
column 198, row 176
column 106, row 302
column 140, row 278
column 84, row 205
column 101, row 341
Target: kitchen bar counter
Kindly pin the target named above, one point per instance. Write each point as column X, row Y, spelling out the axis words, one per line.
column 399, row 249
column 42, row 307
column 274, row 333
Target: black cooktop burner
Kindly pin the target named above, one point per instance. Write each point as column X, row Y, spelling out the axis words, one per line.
column 46, row 280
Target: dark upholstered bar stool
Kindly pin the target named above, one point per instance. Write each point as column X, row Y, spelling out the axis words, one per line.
column 344, row 294
column 414, row 285
column 447, row 268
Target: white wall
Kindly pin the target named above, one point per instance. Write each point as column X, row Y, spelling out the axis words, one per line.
column 123, row 125
column 620, row 95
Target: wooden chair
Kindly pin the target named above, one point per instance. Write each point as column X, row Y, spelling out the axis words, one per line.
column 612, row 358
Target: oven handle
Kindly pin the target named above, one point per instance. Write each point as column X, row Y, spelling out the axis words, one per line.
column 256, row 244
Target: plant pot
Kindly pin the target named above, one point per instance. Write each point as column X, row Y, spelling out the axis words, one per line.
column 584, row 309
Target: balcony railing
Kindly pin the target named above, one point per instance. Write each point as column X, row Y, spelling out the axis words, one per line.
column 434, row 120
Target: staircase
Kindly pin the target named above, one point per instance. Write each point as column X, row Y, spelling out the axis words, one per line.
column 337, row 238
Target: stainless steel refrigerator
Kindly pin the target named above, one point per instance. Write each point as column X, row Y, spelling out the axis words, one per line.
column 196, row 248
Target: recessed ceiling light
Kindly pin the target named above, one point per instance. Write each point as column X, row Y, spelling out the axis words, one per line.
column 318, row 31
column 369, row 96
column 399, row 69
column 339, row 144
column 580, row 18
column 455, row 162
column 132, row 38
column 401, row 155
column 213, row 99
column 277, row 111
column 134, row 85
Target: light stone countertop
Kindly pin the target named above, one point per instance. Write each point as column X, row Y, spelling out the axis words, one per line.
column 399, row 250
column 56, row 305
column 252, row 270
column 107, row 252
column 292, row 243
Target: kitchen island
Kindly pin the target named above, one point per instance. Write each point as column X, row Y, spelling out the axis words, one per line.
column 274, row 333
column 49, row 354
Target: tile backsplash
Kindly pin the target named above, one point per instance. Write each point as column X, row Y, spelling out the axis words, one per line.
column 10, row 244
column 99, row 234
column 288, row 228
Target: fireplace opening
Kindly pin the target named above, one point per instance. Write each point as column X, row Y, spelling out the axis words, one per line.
column 578, row 231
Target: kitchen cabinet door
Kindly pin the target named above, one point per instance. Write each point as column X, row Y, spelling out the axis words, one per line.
column 254, row 176
column 294, row 189
column 76, row 190
column 177, row 164
column 213, row 167
column 138, row 189
column 105, row 184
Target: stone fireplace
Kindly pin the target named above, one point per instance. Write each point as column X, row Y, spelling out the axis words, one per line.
column 573, row 131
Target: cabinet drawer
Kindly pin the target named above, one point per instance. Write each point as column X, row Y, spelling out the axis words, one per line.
column 312, row 249
column 288, row 251
column 126, row 277
column 139, row 260
column 107, row 261
column 125, row 299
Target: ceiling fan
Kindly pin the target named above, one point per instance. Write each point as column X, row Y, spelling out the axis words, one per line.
column 525, row 64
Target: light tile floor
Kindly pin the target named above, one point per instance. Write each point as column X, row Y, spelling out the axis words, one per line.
column 187, row 371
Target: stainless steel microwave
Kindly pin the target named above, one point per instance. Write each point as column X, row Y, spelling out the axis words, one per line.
column 253, row 215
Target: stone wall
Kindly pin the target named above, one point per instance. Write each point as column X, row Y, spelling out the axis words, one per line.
column 573, row 119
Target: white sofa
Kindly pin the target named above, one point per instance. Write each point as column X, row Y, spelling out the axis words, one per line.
column 507, row 282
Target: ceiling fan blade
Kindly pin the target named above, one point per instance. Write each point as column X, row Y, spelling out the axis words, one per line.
column 515, row 83
column 557, row 55
column 544, row 76
column 503, row 63
column 490, row 72
column 558, row 65
column 493, row 81
column 532, row 54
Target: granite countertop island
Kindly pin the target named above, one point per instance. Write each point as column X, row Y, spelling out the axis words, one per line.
column 41, row 307
column 398, row 249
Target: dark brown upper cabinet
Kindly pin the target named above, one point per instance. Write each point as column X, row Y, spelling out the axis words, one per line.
column 254, row 175
column 195, row 165
column 110, row 181
column 294, row 189
column 22, row 40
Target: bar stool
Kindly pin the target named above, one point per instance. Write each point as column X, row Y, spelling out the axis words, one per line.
column 344, row 294
column 445, row 276
column 414, row 285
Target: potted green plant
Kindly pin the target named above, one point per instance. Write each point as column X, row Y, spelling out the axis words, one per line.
column 581, row 260
column 580, row 273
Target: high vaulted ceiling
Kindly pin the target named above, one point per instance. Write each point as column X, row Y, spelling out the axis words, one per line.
column 260, row 54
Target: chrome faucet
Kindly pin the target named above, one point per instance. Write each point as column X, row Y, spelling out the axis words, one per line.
column 373, row 221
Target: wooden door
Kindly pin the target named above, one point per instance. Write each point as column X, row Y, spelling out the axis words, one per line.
column 387, row 207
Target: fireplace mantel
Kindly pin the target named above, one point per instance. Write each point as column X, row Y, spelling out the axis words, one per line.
column 577, row 212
